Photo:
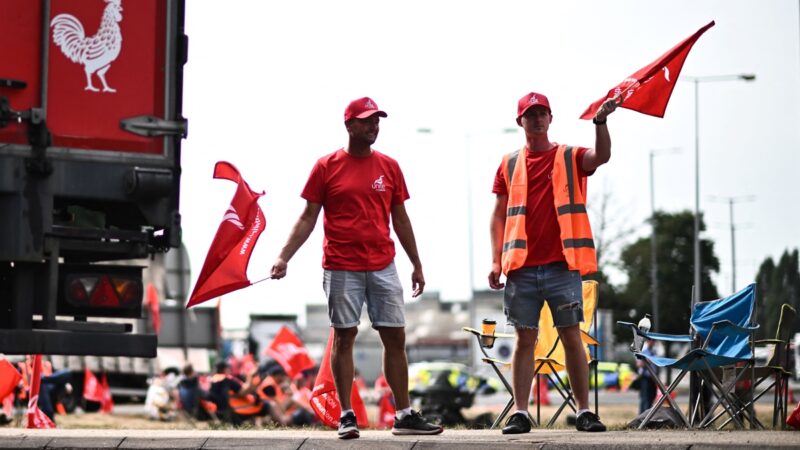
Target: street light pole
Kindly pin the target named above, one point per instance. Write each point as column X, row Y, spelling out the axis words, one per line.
column 697, row 80
column 653, row 246
column 731, row 201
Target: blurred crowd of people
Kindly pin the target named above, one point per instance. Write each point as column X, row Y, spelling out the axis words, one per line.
column 238, row 392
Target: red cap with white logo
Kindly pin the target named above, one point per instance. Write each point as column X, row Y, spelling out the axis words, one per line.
column 361, row 109
column 531, row 100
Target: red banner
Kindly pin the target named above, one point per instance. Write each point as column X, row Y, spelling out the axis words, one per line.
column 648, row 91
column 106, row 403
column 325, row 401
column 92, row 389
column 9, row 378
column 36, row 418
column 288, row 350
column 225, row 267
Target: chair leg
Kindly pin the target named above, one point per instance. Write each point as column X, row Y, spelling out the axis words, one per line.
column 752, row 402
column 665, row 396
column 566, row 394
column 726, row 398
column 503, row 414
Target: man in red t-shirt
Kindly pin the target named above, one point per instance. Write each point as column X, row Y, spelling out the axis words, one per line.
column 360, row 190
column 528, row 243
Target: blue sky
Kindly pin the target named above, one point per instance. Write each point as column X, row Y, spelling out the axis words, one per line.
column 267, row 82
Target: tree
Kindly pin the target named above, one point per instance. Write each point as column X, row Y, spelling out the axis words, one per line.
column 675, row 260
column 776, row 285
column 610, row 229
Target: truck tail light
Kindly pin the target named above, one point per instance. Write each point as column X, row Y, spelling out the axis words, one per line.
column 101, row 290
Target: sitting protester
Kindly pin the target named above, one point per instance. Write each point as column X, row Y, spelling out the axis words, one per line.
column 235, row 400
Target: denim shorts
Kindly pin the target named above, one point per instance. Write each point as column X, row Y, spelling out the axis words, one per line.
column 527, row 289
column 348, row 291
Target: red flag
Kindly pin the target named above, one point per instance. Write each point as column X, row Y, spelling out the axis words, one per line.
column 225, row 267
column 9, row 378
column 151, row 300
column 106, row 402
column 324, row 400
column 648, row 90
column 36, row 418
column 92, row 390
column 288, row 350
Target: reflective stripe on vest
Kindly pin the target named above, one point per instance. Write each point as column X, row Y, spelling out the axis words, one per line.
column 569, row 193
column 570, row 204
column 515, row 238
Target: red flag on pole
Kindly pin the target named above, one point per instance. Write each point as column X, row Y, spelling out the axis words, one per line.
column 288, row 350
column 37, row 418
column 92, row 390
column 324, row 400
column 225, row 267
column 106, row 403
column 151, row 300
column 648, row 90
column 9, row 378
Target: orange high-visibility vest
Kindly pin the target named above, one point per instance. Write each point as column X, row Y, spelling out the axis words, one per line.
column 569, row 192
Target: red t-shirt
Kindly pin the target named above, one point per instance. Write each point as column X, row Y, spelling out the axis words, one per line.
column 541, row 222
column 357, row 194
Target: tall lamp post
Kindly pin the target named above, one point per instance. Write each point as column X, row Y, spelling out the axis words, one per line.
column 653, row 247
column 730, row 201
column 697, row 80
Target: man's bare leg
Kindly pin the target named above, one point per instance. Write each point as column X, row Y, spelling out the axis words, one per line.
column 342, row 363
column 395, row 363
column 522, row 366
column 577, row 367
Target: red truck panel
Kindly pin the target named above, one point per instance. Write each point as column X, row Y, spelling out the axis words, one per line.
column 123, row 41
column 21, row 23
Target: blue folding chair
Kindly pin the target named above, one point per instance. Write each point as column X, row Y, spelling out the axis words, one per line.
column 722, row 330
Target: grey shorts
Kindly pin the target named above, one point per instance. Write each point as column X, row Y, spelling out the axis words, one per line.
column 348, row 291
column 528, row 288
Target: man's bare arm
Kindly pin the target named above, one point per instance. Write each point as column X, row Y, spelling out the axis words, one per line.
column 405, row 234
column 300, row 232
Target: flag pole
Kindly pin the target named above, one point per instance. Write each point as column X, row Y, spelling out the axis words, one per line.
column 259, row 281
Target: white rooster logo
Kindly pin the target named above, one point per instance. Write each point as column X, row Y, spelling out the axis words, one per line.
column 95, row 53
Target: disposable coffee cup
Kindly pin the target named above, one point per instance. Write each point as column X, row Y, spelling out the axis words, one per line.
column 487, row 332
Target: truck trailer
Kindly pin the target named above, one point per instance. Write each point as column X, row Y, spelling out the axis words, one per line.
column 90, row 147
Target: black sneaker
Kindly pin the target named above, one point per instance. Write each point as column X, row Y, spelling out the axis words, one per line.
column 588, row 421
column 518, row 423
column 348, row 427
column 414, row 423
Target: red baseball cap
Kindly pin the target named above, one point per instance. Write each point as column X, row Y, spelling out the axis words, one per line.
column 531, row 100
column 361, row 109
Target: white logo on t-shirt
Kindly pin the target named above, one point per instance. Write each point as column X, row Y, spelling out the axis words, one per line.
column 378, row 184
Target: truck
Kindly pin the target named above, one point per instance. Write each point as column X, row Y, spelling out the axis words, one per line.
column 91, row 128
column 184, row 336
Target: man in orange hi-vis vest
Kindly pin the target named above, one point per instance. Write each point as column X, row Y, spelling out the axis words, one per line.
column 542, row 243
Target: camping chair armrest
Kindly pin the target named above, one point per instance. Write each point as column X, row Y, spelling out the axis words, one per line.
column 472, row 330
column 728, row 328
column 655, row 336
column 479, row 334
column 667, row 337
column 769, row 341
column 495, row 361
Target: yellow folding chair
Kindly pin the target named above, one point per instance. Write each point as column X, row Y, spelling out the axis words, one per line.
column 549, row 358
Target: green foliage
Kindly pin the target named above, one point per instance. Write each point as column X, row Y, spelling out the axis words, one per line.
column 777, row 284
column 675, row 263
